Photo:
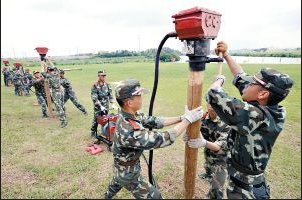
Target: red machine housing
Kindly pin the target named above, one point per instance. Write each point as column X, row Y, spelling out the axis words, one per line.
column 197, row 22
column 108, row 123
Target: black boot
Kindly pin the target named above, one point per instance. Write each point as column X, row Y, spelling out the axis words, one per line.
column 63, row 124
column 45, row 115
column 108, row 195
column 85, row 113
column 93, row 133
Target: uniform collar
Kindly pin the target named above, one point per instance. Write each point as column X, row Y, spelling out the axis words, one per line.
column 127, row 115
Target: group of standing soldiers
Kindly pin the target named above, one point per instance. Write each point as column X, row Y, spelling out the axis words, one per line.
column 17, row 77
column 60, row 88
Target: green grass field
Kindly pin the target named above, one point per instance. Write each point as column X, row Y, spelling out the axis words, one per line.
column 41, row 160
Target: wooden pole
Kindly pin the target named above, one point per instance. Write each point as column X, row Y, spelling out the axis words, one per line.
column 195, row 81
column 197, row 63
column 48, row 98
column 72, row 69
column 47, row 92
column 220, row 64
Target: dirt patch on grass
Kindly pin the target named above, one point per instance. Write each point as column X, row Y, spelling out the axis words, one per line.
column 15, row 176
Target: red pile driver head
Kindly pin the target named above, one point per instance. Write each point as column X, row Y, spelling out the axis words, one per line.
column 196, row 23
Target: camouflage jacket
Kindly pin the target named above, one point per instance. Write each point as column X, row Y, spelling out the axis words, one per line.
column 38, row 84
column 9, row 74
column 54, row 81
column 216, row 131
column 6, row 71
column 255, row 129
column 66, row 85
column 101, row 93
column 17, row 79
column 133, row 136
column 27, row 79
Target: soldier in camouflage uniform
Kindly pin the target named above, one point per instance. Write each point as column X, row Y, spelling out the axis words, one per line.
column 38, row 83
column 256, row 122
column 133, row 136
column 56, row 91
column 214, row 133
column 70, row 94
column 18, row 83
column 101, row 96
column 15, row 80
column 9, row 77
column 27, row 79
column 6, row 72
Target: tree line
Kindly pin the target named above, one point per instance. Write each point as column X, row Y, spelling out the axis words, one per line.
column 266, row 52
column 170, row 55
column 166, row 55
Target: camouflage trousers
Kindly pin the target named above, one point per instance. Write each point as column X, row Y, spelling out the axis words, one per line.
column 18, row 89
column 217, row 170
column 74, row 100
column 26, row 88
column 130, row 178
column 261, row 191
column 5, row 78
column 58, row 98
column 42, row 102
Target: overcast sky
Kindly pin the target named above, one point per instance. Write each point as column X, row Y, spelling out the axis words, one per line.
column 83, row 26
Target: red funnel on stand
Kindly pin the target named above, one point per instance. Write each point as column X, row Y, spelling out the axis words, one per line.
column 6, row 62
column 17, row 64
column 42, row 51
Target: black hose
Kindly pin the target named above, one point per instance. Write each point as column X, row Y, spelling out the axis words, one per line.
column 172, row 34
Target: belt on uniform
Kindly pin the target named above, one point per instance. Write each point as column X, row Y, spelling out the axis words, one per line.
column 244, row 170
column 242, row 184
column 128, row 163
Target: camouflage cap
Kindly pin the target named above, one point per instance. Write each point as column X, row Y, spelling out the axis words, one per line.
column 50, row 68
column 36, row 71
column 128, row 88
column 62, row 71
column 101, row 72
column 273, row 80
